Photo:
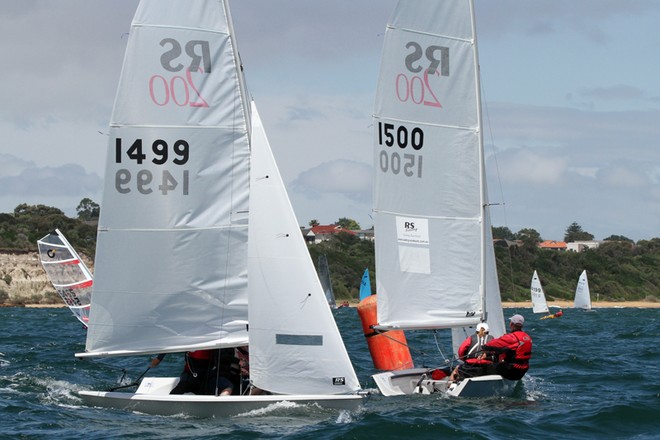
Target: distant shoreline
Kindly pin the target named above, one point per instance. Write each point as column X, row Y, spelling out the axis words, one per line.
column 506, row 305
column 595, row 304
column 564, row 304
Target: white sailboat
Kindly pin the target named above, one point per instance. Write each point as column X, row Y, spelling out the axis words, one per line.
column 68, row 273
column 582, row 295
column 435, row 264
column 539, row 305
column 197, row 236
column 326, row 283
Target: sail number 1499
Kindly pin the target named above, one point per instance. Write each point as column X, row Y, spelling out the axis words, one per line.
column 165, row 173
column 395, row 162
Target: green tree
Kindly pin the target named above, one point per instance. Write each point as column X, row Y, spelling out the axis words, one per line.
column 574, row 232
column 348, row 223
column 313, row 223
column 502, row 232
column 88, row 210
column 619, row 238
column 36, row 210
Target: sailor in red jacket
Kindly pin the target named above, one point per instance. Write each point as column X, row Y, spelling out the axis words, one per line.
column 514, row 350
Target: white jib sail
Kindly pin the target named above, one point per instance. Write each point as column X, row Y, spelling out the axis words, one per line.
column 539, row 304
column 171, row 261
column 429, row 186
column 67, row 272
column 295, row 346
column 582, row 295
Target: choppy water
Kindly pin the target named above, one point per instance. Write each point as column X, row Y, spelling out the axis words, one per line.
column 593, row 375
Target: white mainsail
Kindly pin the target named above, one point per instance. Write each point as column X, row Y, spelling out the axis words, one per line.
column 435, row 260
column 171, row 261
column 295, row 346
column 432, row 250
column 582, row 295
column 539, row 305
column 68, row 273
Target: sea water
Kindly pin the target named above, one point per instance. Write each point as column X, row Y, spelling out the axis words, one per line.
column 594, row 375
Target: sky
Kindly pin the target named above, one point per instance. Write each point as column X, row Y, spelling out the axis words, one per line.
column 571, row 105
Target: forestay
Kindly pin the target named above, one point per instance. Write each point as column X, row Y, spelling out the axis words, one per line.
column 171, row 261
column 295, row 346
column 429, row 194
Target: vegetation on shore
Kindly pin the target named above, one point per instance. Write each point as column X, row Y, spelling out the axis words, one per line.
column 619, row 269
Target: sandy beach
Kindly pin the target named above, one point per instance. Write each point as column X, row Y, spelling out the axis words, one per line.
column 595, row 305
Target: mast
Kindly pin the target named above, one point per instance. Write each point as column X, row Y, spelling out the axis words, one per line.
column 482, row 166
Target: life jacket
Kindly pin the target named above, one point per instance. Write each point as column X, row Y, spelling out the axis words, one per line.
column 523, row 353
column 201, row 355
column 200, row 361
column 475, row 349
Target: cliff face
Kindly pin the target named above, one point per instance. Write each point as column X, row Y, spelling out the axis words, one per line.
column 24, row 281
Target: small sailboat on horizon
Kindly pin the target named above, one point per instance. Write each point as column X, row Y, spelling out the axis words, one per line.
column 326, row 283
column 539, row 304
column 67, row 273
column 582, row 294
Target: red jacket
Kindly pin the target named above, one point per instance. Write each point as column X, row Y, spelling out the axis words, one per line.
column 514, row 348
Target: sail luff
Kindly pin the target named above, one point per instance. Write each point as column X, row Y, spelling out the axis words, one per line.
column 482, row 165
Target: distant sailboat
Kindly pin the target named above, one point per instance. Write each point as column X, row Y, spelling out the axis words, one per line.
column 68, row 273
column 324, row 277
column 365, row 285
column 539, row 305
column 582, row 295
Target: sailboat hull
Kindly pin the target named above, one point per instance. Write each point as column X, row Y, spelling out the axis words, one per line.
column 415, row 381
column 153, row 397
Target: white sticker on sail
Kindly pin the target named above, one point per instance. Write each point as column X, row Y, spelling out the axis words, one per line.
column 414, row 259
column 412, row 230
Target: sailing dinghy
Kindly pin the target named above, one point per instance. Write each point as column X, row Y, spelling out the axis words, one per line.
column 197, row 236
column 539, row 305
column 326, row 283
column 435, row 263
column 67, row 273
column 582, row 295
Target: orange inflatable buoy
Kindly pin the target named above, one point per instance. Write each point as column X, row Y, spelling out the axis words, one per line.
column 389, row 349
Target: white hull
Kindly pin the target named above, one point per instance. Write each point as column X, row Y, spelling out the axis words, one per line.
column 152, row 397
column 415, row 381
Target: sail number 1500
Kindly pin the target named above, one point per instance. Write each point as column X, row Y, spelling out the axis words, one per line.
column 392, row 161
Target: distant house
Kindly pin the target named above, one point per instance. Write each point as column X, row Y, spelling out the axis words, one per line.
column 579, row 246
column 317, row 234
column 553, row 245
column 365, row 234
